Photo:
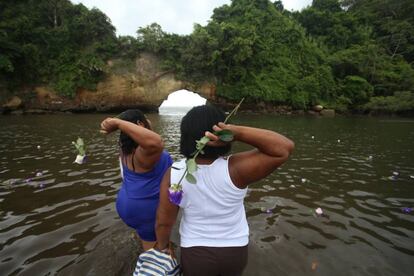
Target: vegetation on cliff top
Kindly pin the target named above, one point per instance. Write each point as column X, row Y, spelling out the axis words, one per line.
column 348, row 54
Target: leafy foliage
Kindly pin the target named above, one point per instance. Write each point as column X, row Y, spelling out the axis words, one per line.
column 54, row 42
column 345, row 54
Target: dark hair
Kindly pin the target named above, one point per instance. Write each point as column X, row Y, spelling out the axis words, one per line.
column 134, row 116
column 193, row 126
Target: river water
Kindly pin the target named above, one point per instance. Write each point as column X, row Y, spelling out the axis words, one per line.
column 359, row 171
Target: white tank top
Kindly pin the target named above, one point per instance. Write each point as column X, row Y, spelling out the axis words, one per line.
column 213, row 209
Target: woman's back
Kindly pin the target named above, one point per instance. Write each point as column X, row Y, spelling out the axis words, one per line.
column 146, row 184
column 213, row 210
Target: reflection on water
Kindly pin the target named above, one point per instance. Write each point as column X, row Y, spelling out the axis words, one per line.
column 362, row 183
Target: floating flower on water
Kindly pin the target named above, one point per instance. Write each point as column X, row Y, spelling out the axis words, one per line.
column 80, row 146
column 80, row 159
column 407, row 210
column 319, row 211
column 339, row 140
column 370, row 158
column 412, row 176
column 292, row 186
column 392, row 177
column 396, row 173
column 39, row 174
column 313, row 137
column 303, row 180
column 175, row 194
column 38, row 147
column 266, row 210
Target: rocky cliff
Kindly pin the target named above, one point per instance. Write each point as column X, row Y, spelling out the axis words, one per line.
column 139, row 83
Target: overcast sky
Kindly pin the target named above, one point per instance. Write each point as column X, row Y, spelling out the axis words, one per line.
column 174, row 16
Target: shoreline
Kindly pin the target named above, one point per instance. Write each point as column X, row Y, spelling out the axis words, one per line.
column 259, row 110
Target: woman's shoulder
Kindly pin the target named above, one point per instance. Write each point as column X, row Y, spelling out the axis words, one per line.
column 179, row 165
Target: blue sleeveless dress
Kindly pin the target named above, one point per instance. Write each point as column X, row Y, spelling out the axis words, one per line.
column 138, row 197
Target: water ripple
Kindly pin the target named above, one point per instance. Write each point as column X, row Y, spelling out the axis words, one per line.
column 48, row 221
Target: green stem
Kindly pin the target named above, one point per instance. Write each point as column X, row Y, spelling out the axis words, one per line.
column 199, row 150
column 233, row 111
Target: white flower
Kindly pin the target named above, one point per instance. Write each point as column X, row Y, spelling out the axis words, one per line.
column 80, row 159
column 319, row 211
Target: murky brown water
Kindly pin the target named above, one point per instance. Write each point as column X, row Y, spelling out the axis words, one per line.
column 48, row 221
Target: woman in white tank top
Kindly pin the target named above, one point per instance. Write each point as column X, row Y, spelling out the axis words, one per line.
column 214, row 231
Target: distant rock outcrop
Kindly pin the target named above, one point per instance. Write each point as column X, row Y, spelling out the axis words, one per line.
column 141, row 84
column 13, row 104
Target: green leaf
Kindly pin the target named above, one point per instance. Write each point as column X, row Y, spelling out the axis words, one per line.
column 80, row 146
column 190, row 178
column 225, row 135
column 80, row 142
column 191, row 166
column 202, row 142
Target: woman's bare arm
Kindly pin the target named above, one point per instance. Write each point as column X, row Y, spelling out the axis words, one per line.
column 271, row 151
column 166, row 214
column 150, row 143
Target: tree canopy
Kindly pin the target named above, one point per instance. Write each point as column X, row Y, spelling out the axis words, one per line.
column 344, row 54
column 54, row 42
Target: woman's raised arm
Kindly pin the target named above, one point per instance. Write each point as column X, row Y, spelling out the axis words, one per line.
column 271, row 151
column 150, row 143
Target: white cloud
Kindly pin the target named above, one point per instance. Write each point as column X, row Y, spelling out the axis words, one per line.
column 296, row 4
column 174, row 16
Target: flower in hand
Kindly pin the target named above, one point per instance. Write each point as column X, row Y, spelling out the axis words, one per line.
column 220, row 136
column 175, row 194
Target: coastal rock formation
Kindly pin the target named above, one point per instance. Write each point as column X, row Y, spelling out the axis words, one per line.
column 13, row 104
column 128, row 84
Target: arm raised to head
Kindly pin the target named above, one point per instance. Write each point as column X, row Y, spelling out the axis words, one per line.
column 150, row 143
column 271, row 151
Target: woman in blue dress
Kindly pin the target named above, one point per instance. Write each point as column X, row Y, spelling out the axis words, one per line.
column 143, row 163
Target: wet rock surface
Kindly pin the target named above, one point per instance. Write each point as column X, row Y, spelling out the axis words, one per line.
column 115, row 254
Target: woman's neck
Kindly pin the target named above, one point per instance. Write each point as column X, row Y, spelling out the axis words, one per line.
column 205, row 161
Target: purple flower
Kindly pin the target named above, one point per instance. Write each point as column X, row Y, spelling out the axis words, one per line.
column 175, row 194
column 407, row 210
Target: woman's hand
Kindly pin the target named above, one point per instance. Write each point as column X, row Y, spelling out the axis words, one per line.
column 214, row 139
column 109, row 125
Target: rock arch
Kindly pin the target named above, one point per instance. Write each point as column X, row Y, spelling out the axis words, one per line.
column 142, row 85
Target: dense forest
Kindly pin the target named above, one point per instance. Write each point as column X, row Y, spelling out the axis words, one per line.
column 352, row 55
